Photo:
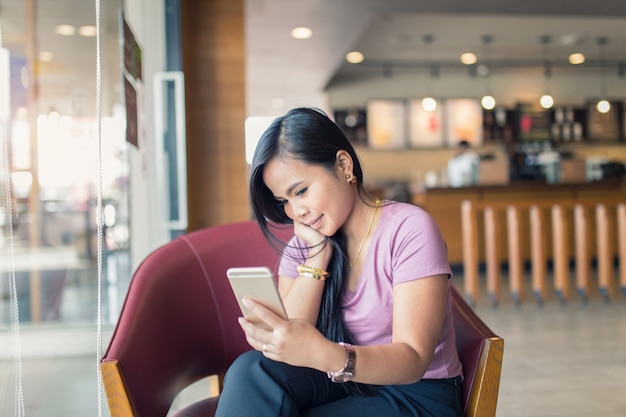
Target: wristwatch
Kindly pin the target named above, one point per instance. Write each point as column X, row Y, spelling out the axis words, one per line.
column 346, row 373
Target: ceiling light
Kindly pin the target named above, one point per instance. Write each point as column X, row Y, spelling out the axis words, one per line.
column 488, row 102
column 301, row 32
column 87, row 31
column 576, row 58
column 546, row 101
column 603, row 106
column 429, row 104
column 354, row 57
column 65, row 30
column 469, row 58
column 45, row 56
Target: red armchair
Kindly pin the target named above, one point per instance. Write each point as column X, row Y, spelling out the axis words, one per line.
column 179, row 325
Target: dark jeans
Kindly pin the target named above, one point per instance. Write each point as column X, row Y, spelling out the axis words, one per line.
column 255, row 386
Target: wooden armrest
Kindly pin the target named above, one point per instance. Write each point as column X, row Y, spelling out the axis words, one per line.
column 484, row 394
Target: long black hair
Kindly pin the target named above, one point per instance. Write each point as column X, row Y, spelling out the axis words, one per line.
column 308, row 135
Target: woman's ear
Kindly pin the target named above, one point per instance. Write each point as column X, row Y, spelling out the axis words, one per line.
column 344, row 162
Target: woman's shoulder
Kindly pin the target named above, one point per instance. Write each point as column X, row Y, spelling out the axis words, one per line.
column 400, row 215
column 401, row 210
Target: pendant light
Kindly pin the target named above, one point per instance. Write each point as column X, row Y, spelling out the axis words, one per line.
column 487, row 101
column 603, row 105
column 429, row 103
column 546, row 100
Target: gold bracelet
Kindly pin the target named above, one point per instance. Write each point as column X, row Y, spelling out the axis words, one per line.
column 310, row 272
column 314, row 276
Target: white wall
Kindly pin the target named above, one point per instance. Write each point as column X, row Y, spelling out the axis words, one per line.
column 147, row 20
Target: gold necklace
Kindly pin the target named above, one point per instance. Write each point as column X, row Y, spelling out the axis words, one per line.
column 369, row 229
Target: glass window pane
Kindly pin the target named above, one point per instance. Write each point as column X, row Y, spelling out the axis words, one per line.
column 52, row 164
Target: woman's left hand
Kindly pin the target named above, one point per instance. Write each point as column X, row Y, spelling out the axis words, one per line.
column 294, row 342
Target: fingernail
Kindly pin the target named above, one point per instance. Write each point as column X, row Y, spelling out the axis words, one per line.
column 246, row 302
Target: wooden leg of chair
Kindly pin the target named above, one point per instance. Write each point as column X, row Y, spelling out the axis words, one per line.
column 516, row 280
column 470, row 251
column 216, row 384
column 492, row 254
column 581, row 229
column 621, row 241
column 560, row 256
column 538, row 253
column 605, row 252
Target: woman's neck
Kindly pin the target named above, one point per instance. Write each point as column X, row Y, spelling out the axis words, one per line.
column 357, row 223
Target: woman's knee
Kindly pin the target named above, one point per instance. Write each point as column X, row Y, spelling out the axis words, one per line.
column 243, row 365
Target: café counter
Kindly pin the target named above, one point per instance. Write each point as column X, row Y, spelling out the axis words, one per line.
column 444, row 204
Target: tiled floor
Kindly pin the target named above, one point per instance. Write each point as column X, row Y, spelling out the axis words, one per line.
column 559, row 360
column 562, row 360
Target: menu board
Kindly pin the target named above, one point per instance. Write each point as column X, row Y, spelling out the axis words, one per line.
column 533, row 123
column 425, row 127
column 464, row 121
column 386, row 124
column 603, row 126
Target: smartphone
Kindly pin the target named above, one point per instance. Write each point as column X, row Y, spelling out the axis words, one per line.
column 258, row 284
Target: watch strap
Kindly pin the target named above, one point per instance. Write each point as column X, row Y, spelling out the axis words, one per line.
column 346, row 373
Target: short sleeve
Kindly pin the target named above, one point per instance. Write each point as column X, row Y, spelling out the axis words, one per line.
column 419, row 249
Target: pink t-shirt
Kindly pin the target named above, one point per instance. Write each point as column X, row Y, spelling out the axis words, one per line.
column 406, row 245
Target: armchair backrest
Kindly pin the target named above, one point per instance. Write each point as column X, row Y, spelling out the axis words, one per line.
column 480, row 351
column 179, row 321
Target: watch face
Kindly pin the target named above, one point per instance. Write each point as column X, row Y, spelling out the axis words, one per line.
column 347, row 372
column 342, row 377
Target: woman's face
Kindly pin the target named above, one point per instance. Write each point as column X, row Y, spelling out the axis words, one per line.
column 310, row 194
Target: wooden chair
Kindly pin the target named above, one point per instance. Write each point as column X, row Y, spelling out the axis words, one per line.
column 179, row 325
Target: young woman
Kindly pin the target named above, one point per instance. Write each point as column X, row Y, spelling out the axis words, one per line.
column 365, row 284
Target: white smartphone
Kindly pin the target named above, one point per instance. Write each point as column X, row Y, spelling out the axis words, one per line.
column 258, row 284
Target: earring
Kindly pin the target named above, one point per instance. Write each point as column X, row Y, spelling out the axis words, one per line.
column 351, row 178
